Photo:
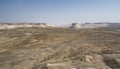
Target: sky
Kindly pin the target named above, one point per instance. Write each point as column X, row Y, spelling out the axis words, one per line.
column 59, row 12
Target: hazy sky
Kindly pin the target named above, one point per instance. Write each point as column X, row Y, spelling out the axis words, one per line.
column 60, row 12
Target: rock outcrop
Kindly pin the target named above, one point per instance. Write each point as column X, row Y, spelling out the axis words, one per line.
column 76, row 26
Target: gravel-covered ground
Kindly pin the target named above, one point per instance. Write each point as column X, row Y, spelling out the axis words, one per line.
column 59, row 48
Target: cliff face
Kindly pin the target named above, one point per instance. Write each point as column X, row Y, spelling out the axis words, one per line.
column 20, row 25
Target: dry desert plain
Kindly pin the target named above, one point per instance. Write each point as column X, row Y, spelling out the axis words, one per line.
column 60, row 48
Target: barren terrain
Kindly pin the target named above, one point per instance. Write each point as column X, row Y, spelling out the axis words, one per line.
column 60, row 48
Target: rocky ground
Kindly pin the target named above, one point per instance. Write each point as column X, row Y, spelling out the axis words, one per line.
column 59, row 48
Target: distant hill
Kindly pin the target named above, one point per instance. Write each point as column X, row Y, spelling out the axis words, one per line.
column 98, row 25
column 21, row 25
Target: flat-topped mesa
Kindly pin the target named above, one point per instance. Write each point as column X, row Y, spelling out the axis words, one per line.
column 20, row 25
column 75, row 26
